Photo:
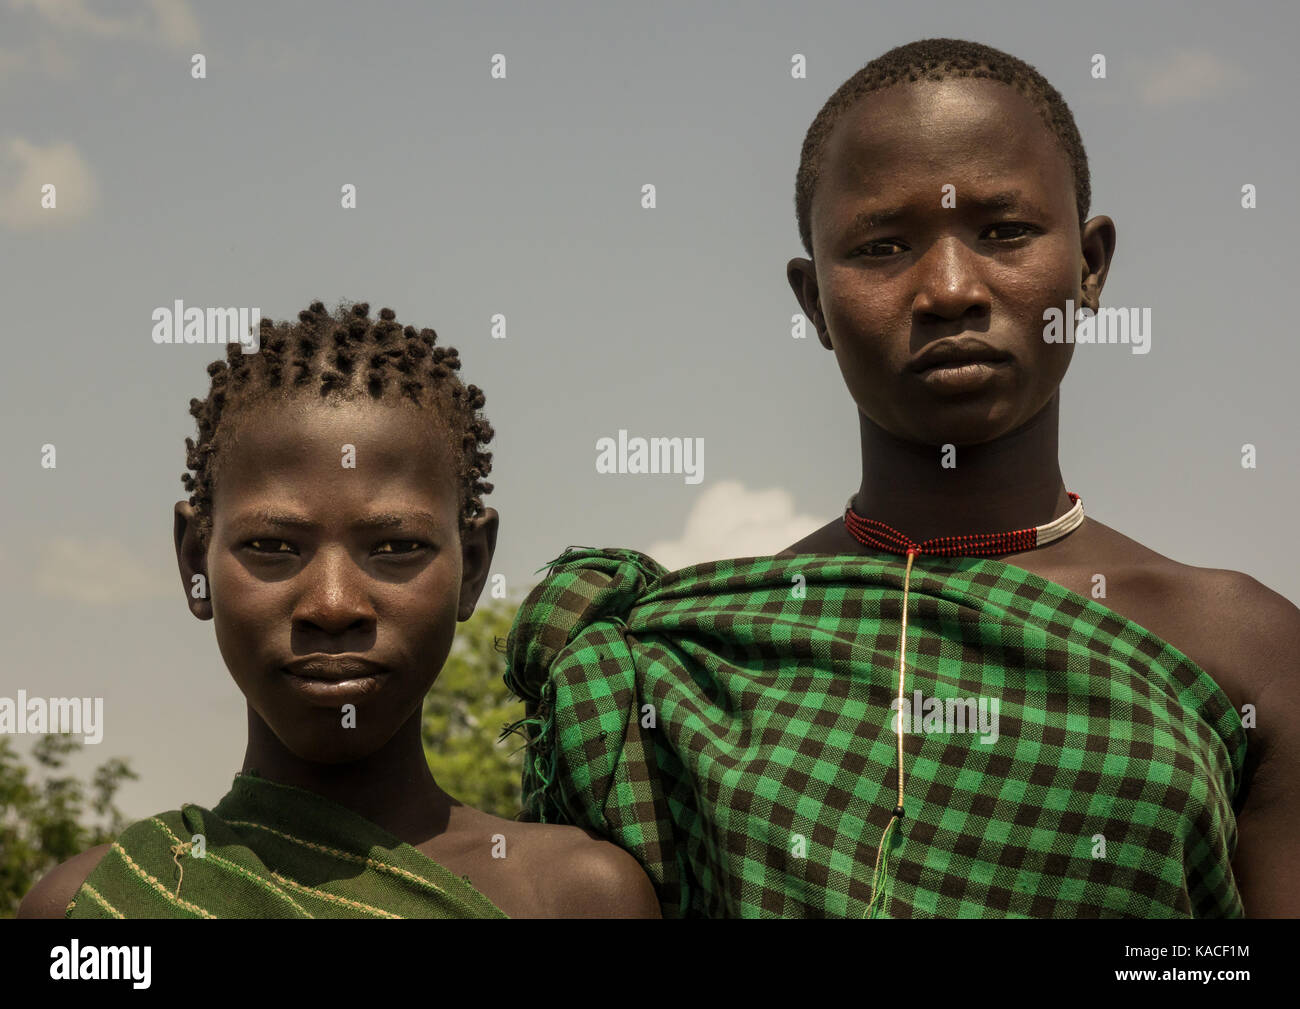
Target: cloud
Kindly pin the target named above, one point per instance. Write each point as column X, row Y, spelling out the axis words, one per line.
column 99, row 572
column 1188, row 75
column 30, row 167
column 730, row 521
column 177, row 24
column 44, row 54
column 170, row 23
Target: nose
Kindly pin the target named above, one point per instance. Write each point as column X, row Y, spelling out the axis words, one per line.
column 334, row 602
column 949, row 283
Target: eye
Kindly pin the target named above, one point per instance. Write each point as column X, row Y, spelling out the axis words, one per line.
column 866, row 250
column 1025, row 229
column 399, row 547
column 269, row 546
column 873, row 245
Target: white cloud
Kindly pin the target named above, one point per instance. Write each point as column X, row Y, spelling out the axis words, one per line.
column 167, row 22
column 100, row 572
column 30, row 167
column 730, row 521
column 1188, row 75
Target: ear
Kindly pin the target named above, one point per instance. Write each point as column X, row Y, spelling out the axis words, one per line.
column 802, row 275
column 477, row 546
column 1098, row 242
column 192, row 559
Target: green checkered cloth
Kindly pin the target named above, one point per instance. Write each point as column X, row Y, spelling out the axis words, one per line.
column 270, row 851
column 730, row 725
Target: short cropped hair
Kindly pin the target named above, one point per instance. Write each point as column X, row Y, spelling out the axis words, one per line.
column 937, row 60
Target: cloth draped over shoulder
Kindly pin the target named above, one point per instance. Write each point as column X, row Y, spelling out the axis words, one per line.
column 270, row 851
column 732, row 725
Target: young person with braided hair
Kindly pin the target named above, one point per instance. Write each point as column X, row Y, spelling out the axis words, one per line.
column 335, row 534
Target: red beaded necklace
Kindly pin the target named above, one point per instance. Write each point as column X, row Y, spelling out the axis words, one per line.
column 871, row 533
column 875, row 534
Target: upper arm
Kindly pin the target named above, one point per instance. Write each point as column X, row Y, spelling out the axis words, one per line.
column 49, row 898
column 601, row 880
column 1267, row 861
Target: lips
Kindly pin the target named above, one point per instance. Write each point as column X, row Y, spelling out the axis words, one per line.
column 333, row 668
column 958, row 362
column 955, row 353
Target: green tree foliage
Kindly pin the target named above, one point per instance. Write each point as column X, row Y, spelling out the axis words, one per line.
column 45, row 822
column 466, row 710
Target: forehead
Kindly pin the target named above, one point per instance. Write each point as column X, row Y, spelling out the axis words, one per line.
column 296, row 448
column 970, row 132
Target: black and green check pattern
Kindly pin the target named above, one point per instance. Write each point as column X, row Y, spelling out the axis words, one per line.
column 761, row 780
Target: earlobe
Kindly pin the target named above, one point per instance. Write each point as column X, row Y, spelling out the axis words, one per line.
column 823, row 334
column 1098, row 251
column 1090, row 292
column 191, row 560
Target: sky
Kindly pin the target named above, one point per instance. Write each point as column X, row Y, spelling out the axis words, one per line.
column 521, row 196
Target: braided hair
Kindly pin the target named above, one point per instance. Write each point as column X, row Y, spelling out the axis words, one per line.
column 346, row 355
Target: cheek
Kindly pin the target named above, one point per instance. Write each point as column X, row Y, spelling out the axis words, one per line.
column 1054, row 367
column 1027, row 297
column 1045, row 281
column 861, row 316
column 423, row 610
column 244, row 609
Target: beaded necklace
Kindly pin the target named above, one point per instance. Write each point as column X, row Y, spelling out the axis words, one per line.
column 875, row 534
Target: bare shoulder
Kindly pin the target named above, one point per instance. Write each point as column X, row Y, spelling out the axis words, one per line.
column 1246, row 625
column 584, row 876
column 49, row 898
column 541, row 870
column 1244, row 634
column 1202, row 611
column 1259, row 628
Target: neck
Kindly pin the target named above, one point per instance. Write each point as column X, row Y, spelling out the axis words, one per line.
column 1013, row 482
column 392, row 787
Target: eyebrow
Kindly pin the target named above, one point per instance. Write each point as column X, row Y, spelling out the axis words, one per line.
column 1008, row 199
column 381, row 520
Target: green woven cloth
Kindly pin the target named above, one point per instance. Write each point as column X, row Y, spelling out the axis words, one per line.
column 730, row 725
column 272, row 851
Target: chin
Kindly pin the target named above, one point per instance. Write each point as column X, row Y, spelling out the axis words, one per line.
column 937, row 432
column 965, row 436
column 331, row 748
column 316, row 734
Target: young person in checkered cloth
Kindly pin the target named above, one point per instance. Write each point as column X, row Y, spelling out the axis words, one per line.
column 1060, row 752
